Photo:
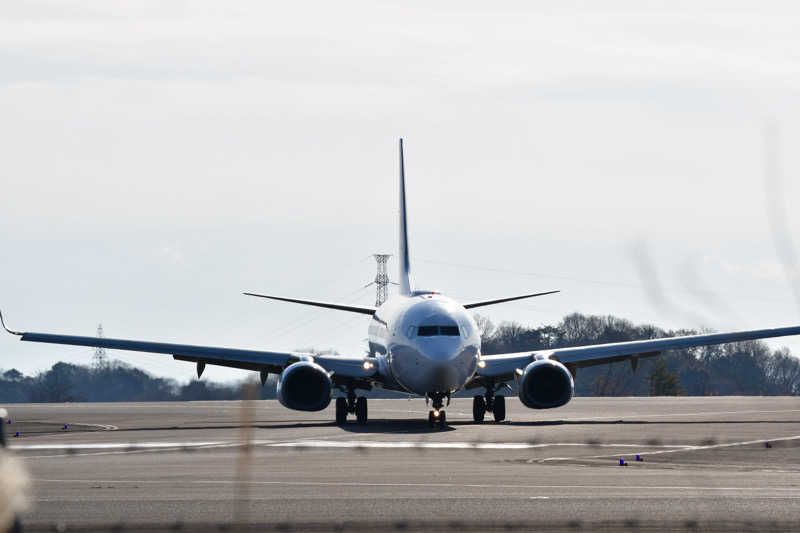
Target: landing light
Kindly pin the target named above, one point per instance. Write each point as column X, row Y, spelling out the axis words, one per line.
column 367, row 365
column 435, row 413
column 481, row 364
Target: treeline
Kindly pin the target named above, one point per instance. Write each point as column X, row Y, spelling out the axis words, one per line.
column 740, row 368
column 113, row 381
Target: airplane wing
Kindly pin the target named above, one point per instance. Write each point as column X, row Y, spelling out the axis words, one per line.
column 263, row 361
column 361, row 309
column 501, row 367
column 473, row 305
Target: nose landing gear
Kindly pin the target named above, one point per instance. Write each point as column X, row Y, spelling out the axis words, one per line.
column 437, row 415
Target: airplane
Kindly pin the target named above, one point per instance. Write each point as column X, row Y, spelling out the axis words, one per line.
column 420, row 342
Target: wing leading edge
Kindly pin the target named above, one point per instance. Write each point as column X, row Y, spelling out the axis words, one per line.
column 268, row 361
column 473, row 305
column 502, row 366
column 361, row 309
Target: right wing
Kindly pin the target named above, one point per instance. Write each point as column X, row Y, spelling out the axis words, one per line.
column 263, row 361
column 501, row 367
column 362, row 309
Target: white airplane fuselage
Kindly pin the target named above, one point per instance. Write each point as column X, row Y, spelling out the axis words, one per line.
column 424, row 343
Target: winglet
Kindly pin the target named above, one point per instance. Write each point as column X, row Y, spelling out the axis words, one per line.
column 3, row 322
column 406, row 280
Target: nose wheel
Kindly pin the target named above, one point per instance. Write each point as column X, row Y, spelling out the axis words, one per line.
column 437, row 418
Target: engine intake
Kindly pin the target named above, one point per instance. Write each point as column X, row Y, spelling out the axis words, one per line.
column 545, row 384
column 304, row 386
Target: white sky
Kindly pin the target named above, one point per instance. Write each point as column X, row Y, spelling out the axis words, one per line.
column 158, row 158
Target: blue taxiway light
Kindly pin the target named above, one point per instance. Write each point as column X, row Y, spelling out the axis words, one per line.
column 638, row 457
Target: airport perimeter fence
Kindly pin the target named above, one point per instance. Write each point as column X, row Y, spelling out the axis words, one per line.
column 15, row 491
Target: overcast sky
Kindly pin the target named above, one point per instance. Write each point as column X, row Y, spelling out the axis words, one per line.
column 159, row 158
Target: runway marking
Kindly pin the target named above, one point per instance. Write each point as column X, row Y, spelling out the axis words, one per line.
column 669, row 415
column 651, row 488
column 169, row 446
column 684, row 449
column 109, row 445
column 104, row 427
column 456, row 445
column 140, row 447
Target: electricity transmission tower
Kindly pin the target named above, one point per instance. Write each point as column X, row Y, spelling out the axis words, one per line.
column 99, row 360
column 381, row 279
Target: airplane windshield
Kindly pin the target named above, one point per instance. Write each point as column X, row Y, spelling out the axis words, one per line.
column 432, row 331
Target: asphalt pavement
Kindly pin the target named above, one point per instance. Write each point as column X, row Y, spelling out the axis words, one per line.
column 717, row 463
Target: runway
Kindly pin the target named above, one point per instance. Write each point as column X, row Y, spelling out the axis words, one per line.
column 724, row 463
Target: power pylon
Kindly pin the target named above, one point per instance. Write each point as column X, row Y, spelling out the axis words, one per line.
column 99, row 360
column 381, row 279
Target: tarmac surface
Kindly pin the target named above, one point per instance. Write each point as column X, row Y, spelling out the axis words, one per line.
column 716, row 463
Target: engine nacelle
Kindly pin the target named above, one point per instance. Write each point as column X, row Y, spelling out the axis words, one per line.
column 545, row 384
column 304, row 386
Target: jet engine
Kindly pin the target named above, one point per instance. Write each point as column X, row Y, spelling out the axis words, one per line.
column 304, row 386
column 545, row 384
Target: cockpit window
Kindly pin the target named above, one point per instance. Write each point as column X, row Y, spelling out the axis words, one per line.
column 432, row 331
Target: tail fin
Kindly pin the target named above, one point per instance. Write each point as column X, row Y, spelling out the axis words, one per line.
column 406, row 280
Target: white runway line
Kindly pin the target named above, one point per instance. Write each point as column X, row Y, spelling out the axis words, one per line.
column 110, row 445
column 684, row 449
column 593, row 487
column 104, row 427
column 132, row 447
column 670, row 415
column 457, row 445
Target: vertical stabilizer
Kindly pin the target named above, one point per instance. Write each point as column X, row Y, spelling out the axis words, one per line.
column 406, row 283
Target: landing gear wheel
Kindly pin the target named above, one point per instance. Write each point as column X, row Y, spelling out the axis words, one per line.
column 341, row 411
column 478, row 409
column 499, row 408
column 437, row 417
column 361, row 410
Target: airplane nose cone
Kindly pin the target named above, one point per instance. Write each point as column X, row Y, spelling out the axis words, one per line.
column 426, row 369
column 443, row 378
column 443, row 354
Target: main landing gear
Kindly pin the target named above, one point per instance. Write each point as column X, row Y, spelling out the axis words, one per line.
column 351, row 404
column 437, row 415
column 489, row 402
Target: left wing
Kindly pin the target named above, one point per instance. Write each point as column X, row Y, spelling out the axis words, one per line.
column 501, row 367
column 263, row 361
